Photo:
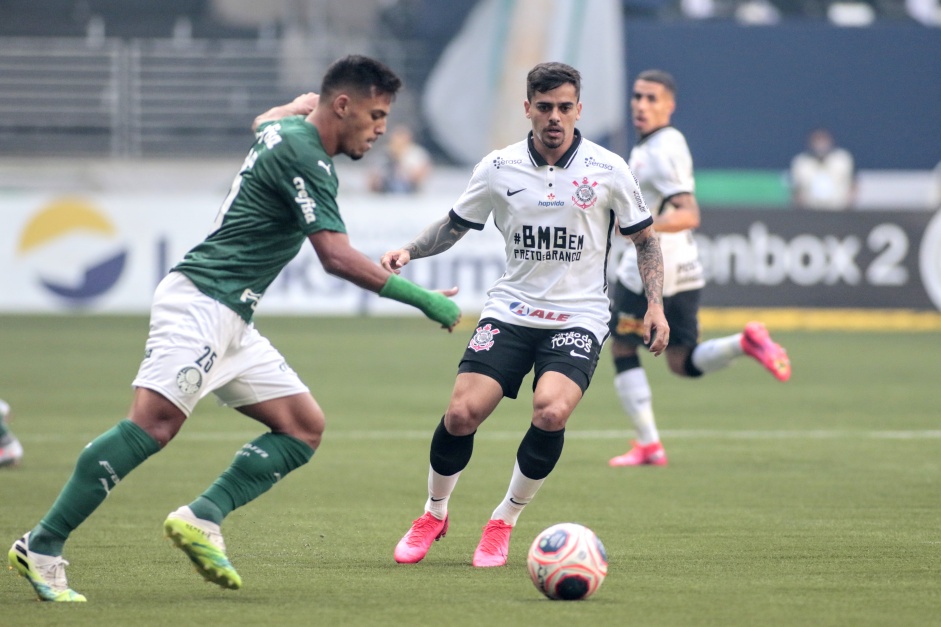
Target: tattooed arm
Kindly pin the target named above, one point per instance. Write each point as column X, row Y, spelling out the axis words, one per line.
column 650, row 264
column 437, row 238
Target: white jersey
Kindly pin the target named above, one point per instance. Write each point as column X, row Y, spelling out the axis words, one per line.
column 824, row 182
column 557, row 221
column 664, row 167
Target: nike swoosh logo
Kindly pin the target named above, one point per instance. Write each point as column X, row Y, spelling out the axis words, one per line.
column 434, row 500
column 515, row 502
column 574, row 354
column 509, row 193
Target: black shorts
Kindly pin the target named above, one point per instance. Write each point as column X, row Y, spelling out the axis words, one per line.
column 507, row 352
column 629, row 308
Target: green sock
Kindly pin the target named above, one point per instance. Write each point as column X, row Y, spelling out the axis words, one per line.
column 100, row 466
column 258, row 466
column 4, row 410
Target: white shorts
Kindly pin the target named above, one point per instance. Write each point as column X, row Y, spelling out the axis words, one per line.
column 197, row 345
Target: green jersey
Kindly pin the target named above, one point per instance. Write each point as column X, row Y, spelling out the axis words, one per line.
column 285, row 190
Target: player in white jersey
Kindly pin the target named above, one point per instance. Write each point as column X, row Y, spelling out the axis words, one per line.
column 664, row 168
column 556, row 198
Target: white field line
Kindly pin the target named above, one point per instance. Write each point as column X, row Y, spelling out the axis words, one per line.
column 571, row 434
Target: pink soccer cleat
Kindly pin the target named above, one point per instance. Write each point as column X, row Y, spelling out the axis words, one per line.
column 494, row 545
column 758, row 344
column 642, row 455
column 414, row 545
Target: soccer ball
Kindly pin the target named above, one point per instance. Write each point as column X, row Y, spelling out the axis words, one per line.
column 567, row 561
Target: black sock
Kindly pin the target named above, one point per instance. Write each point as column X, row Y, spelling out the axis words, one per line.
column 450, row 453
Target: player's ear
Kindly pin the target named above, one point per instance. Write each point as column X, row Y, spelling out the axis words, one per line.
column 578, row 111
column 341, row 105
column 526, row 105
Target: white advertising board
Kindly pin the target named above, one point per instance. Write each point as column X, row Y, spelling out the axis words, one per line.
column 105, row 252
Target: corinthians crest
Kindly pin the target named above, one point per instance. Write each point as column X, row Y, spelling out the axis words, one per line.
column 483, row 338
column 585, row 196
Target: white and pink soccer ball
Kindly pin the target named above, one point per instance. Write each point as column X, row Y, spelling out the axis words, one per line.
column 568, row 562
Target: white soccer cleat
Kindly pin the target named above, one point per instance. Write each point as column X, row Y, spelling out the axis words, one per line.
column 11, row 451
column 44, row 572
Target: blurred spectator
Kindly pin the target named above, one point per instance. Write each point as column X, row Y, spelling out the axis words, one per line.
column 823, row 176
column 405, row 165
column 757, row 13
column 698, row 9
column 928, row 12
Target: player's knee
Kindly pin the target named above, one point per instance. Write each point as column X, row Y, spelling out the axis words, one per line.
column 462, row 419
column 551, row 416
column 309, row 428
column 161, row 432
column 162, row 427
column 157, row 417
column 681, row 364
column 678, row 369
column 622, row 349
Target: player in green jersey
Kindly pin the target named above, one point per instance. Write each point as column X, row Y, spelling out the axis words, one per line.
column 11, row 451
column 202, row 338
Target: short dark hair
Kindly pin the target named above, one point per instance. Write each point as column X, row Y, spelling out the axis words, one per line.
column 661, row 77
column 361, row 75
column 548, row 76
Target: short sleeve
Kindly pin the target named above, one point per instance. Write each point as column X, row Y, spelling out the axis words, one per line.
column 627, row 201
column 475, row 205
column 671, row 172
column 307, row 185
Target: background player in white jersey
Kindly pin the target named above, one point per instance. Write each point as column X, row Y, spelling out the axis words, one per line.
column 556, row 198
column 664, row 168
column 202, row 338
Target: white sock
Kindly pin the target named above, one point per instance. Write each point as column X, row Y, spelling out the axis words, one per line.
column 521, row 492
column 717, row 353
column 637, row 400
column 439, row 493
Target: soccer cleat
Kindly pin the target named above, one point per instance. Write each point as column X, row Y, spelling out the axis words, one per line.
column 202, row 542
column 414, row 545
column 494, row 545
column 46, row 573
column 641, row 455
column 11, row 451
column 757, row 343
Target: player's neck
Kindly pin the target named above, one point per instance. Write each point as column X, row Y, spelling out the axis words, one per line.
column 552, row 155
column 329, row 137
column 659, row 128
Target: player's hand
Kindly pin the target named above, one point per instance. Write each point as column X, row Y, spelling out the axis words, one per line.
column 656, row 329
column 305, row 103
column 395, row 260
column 450, row 292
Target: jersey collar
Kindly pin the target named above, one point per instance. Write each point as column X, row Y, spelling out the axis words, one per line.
column 564, row 161
column 652, row 133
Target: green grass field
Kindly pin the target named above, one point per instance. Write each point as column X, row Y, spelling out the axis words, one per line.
column 814, row 502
